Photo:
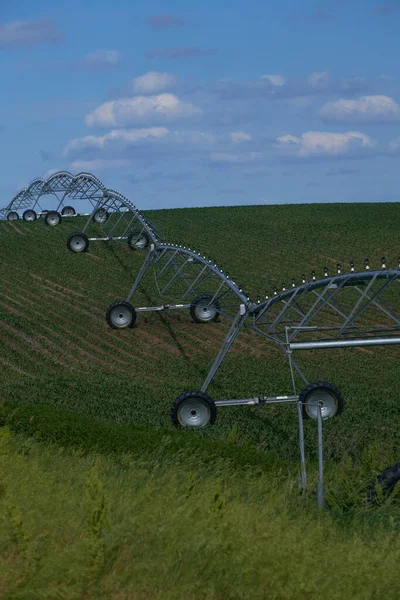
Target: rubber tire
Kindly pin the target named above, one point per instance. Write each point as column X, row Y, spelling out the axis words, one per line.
column 29, row 210
column 69, row 242
column 325, row 385
column 12, row 216
column 177, row 403
column 48, row 216
column 101, row 222
column 135, row 235
column 193, row 309
column 387, row 480
column 126, row 305
column 69, row 209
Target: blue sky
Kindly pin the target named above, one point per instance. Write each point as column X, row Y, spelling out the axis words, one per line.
column 196, row 104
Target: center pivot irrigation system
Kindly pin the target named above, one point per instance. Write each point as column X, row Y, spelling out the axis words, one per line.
column 344, row 310
column 117, row 218
column 28, row 202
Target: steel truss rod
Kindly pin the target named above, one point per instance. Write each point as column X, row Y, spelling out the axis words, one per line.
column 321, row 301
column 183, row 252
column 344, row 343
column 386, row 309
column 148, row 260
column 233, row 332
column 356, row 313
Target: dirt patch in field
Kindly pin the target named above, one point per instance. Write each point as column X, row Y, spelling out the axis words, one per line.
column 16, row 229
column 12, row 310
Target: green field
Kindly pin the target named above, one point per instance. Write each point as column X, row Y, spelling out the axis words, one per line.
column 72, row 382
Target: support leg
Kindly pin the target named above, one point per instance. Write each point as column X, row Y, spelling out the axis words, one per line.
column 303, row 472
column 320, row 483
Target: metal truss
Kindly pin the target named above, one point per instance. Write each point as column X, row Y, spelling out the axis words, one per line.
column 341, row 311
column 187, row 280
column 115, row 218
column 17, row 203
column 112, row 216
column 28, row 203
column 63, row 186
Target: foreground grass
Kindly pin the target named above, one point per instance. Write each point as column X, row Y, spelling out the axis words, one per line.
column 75, row 525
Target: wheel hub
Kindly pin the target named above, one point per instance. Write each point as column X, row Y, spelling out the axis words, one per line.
column 121, row 317
column 206, row 312
column 194, row 413
column 325, row 401
column 78, row 244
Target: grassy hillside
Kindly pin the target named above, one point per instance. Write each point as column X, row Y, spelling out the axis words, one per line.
column 56, row 347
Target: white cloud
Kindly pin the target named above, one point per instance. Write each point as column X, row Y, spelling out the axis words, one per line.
column 321, row 143
column 121, row 142
column 277, row 80
column 29, row 33
column 238, row 137
column 118, row 136
column 319, row 80
column 226, row 157
column 98, row 164
column 103, row 58
column 141, row 109
column 368, row 109
column 153, row 83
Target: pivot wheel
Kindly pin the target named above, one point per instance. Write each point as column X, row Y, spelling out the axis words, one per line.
column 12, row 216
column 68, row 211
column 204, row 309
column 29, row 215
column 52, row 218
column 193, row 409
column 121, row 315
column 321, row 394
column 387, row 481
column 100, row 216
column 77, row 242
column 138, row 240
